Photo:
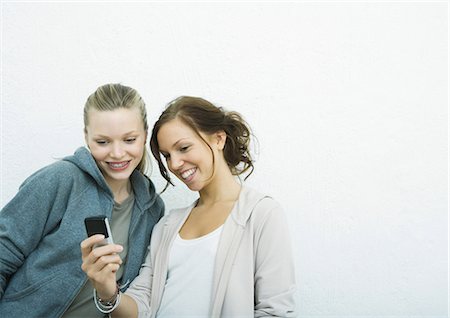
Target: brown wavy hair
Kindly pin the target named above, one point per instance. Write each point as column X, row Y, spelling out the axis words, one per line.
column 203, row 116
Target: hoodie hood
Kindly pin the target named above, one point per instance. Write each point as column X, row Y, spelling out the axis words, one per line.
column 248, row 200
column 144, row 190
column 83, row 159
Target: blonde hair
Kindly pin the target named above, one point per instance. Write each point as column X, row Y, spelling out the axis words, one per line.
column 110, row 97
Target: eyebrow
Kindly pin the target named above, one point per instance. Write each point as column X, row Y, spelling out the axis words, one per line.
column 179, row 141
column 125, row 134
column 173, row 146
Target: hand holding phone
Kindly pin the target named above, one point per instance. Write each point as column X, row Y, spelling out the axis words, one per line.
column 103, row 281
column 99, row 225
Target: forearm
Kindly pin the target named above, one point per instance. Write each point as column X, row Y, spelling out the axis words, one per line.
column 19, row 237
column 126, row 309
column 3, row 278
column 11, row 253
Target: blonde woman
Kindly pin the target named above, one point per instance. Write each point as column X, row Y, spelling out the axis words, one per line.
column 42, row 226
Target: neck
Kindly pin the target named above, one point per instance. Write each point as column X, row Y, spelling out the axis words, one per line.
column 120, row 189
column 223, row 188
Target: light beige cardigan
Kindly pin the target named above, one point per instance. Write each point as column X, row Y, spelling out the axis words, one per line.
column 254, row 270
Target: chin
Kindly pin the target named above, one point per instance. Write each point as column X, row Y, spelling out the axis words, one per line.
column 194, row 187
column 125, row 175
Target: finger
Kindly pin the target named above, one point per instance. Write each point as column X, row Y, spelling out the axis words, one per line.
column 112, row 267
column 106, row 260
column 93, row 264
column 87, row 245
column 108, row 249
column 99, row 257
column 102, row 268
column 98, row 252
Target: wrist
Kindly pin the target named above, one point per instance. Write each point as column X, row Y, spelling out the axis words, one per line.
column 108, row 293
column 106, row 298
column 107, row 304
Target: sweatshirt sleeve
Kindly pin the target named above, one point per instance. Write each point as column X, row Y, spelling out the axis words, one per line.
column 141, row 287
column 24, row 221
column 274, row 266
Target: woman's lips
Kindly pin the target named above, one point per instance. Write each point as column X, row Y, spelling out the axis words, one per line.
column 188, row 174
column 118, row 166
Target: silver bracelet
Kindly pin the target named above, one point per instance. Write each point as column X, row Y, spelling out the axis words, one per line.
column 110, row 305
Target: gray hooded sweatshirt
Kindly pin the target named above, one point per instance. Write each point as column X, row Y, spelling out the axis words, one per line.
column 42, row 226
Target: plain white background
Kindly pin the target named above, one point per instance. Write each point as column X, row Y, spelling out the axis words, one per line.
column 348, row 101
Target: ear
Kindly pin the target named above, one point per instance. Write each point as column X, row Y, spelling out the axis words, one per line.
column 86, row 137
column 220, row 139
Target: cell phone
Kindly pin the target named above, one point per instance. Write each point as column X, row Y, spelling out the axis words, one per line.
column 99, row 225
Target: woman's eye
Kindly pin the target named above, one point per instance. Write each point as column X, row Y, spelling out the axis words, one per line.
column 130, row 140
column 184, row 149
column 101, row 142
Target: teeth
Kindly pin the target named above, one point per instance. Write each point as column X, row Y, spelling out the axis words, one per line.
column 119, row 165
column 188, row 173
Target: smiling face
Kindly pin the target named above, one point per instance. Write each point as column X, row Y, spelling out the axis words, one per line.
column 116, row 140
column 188, row 157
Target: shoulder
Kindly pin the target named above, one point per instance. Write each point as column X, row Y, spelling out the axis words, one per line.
column 174, row 217
column 253, row 200
column 263, row 207
column 168, row 224
column 177, row 214
column 58, row 172
column 255, row 197
column 146, row 195
column 268, row 208
column 50, row 186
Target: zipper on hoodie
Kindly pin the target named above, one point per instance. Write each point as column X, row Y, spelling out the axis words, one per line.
column 73, row 298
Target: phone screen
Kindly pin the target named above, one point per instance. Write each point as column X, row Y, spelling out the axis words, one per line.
column 96, row 225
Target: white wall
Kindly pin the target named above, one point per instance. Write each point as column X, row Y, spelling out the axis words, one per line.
column 348, row 101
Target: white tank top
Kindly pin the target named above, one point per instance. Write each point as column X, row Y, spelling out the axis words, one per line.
column 188, row 288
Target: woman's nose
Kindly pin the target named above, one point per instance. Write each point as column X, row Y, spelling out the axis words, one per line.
column 117, row 151
column 176, row 163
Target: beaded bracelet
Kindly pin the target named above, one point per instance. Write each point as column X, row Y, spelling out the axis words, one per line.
column 108, row 306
